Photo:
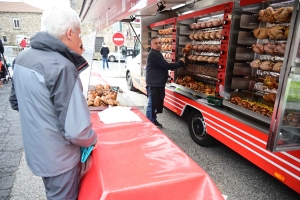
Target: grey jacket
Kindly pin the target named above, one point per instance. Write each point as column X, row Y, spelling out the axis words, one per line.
column 47, row 92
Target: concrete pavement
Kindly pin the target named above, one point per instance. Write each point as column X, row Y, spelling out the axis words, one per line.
column 11, row 146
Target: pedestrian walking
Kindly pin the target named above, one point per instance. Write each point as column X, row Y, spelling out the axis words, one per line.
column 104, row 52
column 47, row 92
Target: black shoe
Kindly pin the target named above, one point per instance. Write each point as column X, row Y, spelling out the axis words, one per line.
column 156, row 123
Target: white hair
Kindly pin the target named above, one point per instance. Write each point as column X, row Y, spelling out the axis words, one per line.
column 57, row 20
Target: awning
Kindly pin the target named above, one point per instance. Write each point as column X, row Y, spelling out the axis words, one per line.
column 105, row 13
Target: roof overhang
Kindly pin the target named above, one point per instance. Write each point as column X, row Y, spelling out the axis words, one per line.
column 107, row 12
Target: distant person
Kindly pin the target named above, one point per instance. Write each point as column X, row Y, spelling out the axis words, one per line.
column 2, row 71
column 104, row 52
column 1, row 48
column 47, row 92
column 23, row 43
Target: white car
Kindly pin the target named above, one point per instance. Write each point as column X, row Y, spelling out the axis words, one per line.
column 114, row 56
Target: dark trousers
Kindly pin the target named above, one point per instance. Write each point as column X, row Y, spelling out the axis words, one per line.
column 64, row 186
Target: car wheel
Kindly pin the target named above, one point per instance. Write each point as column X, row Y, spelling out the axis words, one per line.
column 129, row 82
column 111, row 59
column 197, row 129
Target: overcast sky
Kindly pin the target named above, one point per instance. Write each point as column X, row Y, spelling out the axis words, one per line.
column 43, row 4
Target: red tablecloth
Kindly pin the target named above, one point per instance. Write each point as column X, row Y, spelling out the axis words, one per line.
column 136, row 161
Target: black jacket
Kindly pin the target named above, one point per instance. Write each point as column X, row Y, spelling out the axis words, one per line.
column 157, row 69
column 104, row 52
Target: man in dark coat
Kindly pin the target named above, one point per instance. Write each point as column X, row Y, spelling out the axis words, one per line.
column 104, row 52
column 156, row 78
column 2, row 71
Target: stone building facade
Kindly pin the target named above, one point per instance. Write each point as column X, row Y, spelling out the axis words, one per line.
column 28, row 19
column 18, row 19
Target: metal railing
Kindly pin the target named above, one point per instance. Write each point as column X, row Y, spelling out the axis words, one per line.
column 11, row 52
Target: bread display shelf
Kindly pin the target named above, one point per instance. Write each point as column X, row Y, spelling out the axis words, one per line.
column 247, row 112
column 197, row 53
column 268, row 40
column 206, row 35
column 196, row 85
column 269, row 48
column 251, row 104
column 190, row 91
column 208, row 24
column 206, row 79
column 166, row 29
column 266, row 65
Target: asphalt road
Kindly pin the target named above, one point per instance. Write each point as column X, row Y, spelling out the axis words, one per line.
column 235, row 176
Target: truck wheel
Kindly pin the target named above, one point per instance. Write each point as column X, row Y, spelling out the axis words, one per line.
column 111, row 59
column 129, row 82
column 197, row 129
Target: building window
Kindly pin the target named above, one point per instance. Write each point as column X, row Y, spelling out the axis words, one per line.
column 16, row 23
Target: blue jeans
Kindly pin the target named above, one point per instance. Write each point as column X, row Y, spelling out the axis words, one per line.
column 105, row 60
column 149, row 113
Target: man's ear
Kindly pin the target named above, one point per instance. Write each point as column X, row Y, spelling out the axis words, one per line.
column 69, row 33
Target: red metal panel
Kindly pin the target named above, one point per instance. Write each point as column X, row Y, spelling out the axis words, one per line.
column 249, row 2
column 172, row 101
column 164, row 22
column 248, row 142
column 226, row 6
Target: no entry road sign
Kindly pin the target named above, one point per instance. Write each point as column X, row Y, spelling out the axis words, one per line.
column 118, row 39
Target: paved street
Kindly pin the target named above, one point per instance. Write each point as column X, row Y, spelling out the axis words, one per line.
column 11, row 147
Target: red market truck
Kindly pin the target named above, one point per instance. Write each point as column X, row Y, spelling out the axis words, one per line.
column 241, row 85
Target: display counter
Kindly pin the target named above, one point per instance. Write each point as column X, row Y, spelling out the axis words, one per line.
column 136, row 160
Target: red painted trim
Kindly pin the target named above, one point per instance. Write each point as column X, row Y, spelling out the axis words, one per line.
column 164, row 22
column 226, row 6
column 249, row 2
